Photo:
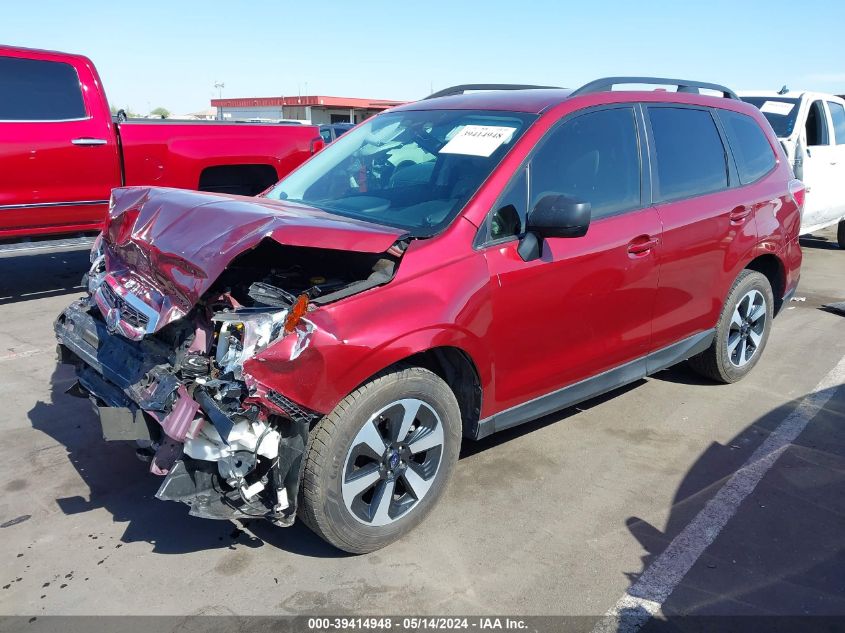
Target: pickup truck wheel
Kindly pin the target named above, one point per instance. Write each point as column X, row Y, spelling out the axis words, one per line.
column 742, row 330
column 840, row 234
column 378, row 463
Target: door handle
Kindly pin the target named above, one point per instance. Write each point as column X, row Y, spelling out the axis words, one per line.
column 642, row 244
column 739, row 214
column 89, row 141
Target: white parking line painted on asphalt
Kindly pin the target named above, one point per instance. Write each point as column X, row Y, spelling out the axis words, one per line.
column 646, row 596
column 44, row 292
column 23, row 354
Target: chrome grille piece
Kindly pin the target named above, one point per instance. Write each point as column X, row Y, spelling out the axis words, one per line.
column 129, row 314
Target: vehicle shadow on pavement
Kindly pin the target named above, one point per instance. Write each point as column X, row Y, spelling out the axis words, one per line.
column 122, row 485
column 783, row 552
column 43, row 275
column 470, row 448
column 682, row 374
column 818, row 241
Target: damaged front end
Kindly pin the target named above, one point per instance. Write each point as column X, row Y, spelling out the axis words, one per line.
column 171, row 376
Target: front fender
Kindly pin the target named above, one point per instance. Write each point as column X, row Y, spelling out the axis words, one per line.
column 440, row 297
column 317, row 370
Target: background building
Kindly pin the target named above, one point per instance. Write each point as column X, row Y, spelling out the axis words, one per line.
column 316, row 109
column 209, row 114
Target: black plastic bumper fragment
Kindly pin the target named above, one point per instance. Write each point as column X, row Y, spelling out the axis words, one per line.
column 297, row 412
column 218, row 417
column 291, row 461
column 197, row 484
column 120, row 418
column 120, row 423
column 133, row 369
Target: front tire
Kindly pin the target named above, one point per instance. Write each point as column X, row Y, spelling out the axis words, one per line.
column 378, row 463
column 840, row 234
column 742, row 331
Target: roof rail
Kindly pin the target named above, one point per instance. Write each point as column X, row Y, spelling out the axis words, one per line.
column 606, row 85
column 459, row 90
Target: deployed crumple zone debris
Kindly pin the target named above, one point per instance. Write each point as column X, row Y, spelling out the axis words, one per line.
column 162, row 341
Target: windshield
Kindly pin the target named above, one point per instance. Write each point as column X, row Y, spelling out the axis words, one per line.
column 781, row 113
column 413, row 170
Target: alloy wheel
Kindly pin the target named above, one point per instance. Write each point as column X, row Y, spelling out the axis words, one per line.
column 392, row 462
column 748, row 324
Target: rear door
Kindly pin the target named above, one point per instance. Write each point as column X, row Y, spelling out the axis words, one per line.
column 59, row 162
column 584, row 306
column 707, row 228
column 820, row 175
column 755, row 156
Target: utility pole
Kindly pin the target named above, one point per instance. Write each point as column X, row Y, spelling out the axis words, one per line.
column 219, row 85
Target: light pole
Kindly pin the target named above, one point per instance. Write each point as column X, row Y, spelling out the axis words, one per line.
column 219, row 85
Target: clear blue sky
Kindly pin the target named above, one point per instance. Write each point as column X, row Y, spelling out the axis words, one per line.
column 169, row 54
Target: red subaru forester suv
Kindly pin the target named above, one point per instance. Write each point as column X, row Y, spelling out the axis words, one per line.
column 447, row 269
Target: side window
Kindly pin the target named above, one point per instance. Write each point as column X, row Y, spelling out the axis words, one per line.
column 35, row 90
column 837, row 113
column 816, row 126
column 751, row 149
column 690, row 155
column 594, row 157
column 509, row 217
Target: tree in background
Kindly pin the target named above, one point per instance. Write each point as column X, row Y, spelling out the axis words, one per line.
column 162, row 112
column 130, row 114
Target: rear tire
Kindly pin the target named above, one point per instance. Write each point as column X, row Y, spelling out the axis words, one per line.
column 377, row 464
column 840, row 234
column 742, row 331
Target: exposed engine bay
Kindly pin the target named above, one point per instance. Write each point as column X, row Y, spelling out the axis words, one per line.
column 228, row 446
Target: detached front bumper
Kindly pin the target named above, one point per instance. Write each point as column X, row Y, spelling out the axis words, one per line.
column 227, row 450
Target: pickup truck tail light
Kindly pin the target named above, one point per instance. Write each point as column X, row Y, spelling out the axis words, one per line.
column 798, row 192
column 317, row 144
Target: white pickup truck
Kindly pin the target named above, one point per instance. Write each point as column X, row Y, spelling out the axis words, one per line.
column 811, row 128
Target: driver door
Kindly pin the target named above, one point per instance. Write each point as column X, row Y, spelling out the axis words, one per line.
column 585, row 305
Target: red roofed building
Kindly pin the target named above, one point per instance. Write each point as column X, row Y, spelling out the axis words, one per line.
column 316, row 109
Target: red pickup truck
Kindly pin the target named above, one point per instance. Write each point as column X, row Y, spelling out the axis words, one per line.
column 61, row 153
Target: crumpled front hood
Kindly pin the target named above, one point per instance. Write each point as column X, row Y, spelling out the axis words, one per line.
column 175, row 243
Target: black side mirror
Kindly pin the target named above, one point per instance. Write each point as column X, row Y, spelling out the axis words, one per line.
column 554, row 215
column 559, row 216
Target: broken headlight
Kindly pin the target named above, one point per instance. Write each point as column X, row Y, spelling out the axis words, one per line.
column 242, row 334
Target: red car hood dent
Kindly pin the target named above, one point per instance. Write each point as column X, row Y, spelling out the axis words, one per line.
column 171, row 245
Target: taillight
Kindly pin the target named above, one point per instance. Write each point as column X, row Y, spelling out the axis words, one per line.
column 798, row 192
column 317, row 143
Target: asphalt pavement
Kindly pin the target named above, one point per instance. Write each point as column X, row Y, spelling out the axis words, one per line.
column 568, row 515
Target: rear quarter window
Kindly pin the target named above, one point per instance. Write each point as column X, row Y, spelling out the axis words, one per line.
column 751, row 149
column 690, row 155
column 36, row 90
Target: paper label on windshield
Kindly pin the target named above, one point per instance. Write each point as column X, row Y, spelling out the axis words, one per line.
column 478, row 140
column 777, row 107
